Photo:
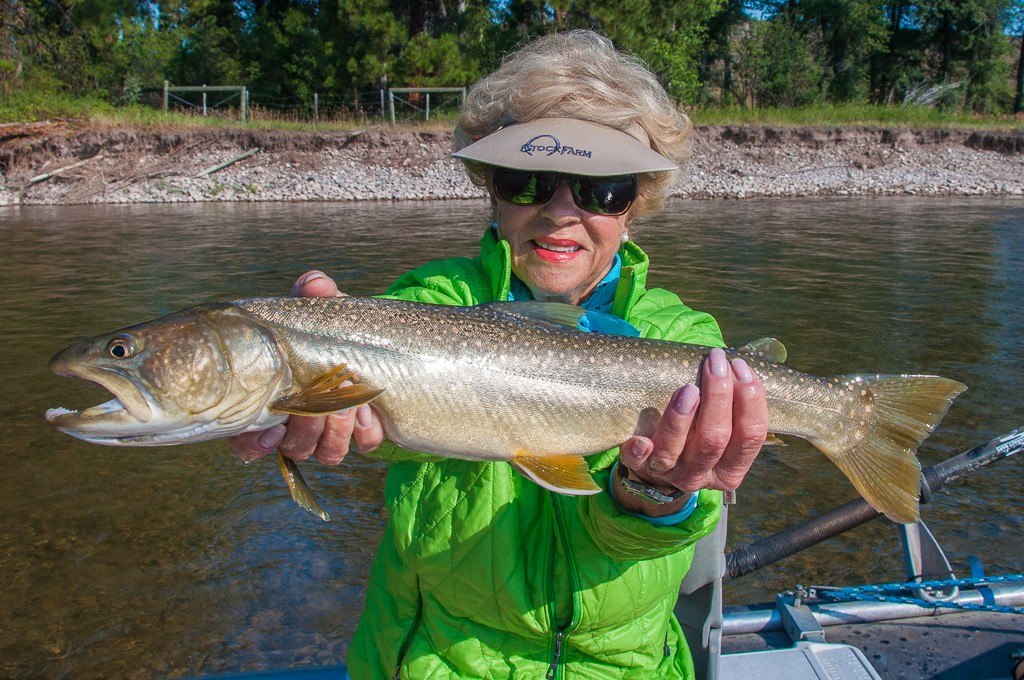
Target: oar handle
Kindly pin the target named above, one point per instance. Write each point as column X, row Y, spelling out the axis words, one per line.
column 771, row 549
column 956, row 467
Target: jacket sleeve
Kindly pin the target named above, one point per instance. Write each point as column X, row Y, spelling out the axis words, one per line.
column 623, row 536
column 659, row 315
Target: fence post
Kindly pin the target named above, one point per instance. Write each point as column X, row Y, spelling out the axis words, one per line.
column 245, row 104
column 428, row 106
column 316, row 107
column 166, row 95
column 243, row 94
column 383, row 113
column 204, row 100
column 391, row 105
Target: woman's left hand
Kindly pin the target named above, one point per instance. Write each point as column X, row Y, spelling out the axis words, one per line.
column 707, row 438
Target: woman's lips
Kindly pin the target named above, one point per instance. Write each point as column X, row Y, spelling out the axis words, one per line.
column 556, row 249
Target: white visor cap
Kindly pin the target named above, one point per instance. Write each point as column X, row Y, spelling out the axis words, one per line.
column 569, row 145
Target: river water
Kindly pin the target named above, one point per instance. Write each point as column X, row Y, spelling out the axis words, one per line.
column 176, row 561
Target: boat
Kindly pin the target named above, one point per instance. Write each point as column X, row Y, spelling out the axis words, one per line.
column 932, row 625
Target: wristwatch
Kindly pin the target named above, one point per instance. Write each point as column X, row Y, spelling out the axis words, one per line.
column 646, row 493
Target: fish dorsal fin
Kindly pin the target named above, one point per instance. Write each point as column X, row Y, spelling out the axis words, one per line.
column 768, row 349
column 544, row 313
column 562, row 473
column 327, row 395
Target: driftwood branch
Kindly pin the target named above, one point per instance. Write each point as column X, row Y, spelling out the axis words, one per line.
column 210, row 171
column 47, row 175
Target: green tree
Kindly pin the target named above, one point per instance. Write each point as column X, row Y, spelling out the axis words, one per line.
column 716, row 71
column 667, row 34
column 292, row 59
column 777, row 66
column 1015, row 26
column 852, row 33
column 968, row 45
column 374, row 38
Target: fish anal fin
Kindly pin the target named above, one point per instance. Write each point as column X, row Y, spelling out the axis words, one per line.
column 768, row 349
column 327, row 394
column 561, row 473
column 298, row 487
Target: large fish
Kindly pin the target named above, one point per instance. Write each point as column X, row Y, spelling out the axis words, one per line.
column 512, row 382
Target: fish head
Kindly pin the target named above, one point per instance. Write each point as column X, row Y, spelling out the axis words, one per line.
column 198, row 374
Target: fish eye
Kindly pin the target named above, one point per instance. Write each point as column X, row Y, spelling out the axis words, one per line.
column 121, row 347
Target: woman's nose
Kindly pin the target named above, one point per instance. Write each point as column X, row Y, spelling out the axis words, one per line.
column 561, row 203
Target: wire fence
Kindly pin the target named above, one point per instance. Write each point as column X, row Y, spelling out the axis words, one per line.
column 316, row 108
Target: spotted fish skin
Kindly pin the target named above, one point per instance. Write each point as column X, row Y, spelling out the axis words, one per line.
column 512, row 381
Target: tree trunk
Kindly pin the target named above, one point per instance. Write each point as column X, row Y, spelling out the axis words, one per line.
column 1018, row 101
column 417, row 17
column 946, row 44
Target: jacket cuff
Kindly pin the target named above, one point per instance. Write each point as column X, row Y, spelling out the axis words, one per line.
column 664, row 520
column 624, row 536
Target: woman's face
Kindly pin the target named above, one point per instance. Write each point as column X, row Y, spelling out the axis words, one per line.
column 559, row 250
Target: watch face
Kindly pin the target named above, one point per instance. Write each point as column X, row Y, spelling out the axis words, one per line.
column 647, row 493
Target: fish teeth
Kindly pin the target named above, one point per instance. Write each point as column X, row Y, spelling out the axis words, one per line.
column 57, row 412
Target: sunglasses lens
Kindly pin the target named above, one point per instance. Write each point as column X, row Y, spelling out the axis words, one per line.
column 601, row 195
column 605, row 195
column 521, row 188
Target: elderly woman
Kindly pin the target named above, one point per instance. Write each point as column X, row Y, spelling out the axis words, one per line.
column 480, row 572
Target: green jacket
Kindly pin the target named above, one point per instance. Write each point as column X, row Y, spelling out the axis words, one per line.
column 483, row 574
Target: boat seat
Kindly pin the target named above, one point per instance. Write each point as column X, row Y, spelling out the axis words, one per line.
column 699, row 610
column 699, row 607
column 802, row 661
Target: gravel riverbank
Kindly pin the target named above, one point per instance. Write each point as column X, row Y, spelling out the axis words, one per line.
column 139, row 166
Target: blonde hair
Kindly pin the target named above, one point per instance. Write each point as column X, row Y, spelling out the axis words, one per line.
column 579, row 74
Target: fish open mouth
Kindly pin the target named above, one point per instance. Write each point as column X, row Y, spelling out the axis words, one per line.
column 124, row 415
column 112, row 424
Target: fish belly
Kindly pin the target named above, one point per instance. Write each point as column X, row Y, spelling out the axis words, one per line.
column 480, row 409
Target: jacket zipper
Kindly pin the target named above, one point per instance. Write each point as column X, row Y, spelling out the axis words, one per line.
column 553, row 668
column 561, row 634
column 404, row 649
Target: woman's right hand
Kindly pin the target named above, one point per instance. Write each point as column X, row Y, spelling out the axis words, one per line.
column 326, row 438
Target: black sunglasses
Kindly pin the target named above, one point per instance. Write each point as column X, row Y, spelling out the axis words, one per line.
column 602, row 195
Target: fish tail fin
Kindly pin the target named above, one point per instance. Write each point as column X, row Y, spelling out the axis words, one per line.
column 877, row 450
column 299, row 489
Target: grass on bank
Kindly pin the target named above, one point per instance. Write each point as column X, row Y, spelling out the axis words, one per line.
column 33, row 105
column 856, row 115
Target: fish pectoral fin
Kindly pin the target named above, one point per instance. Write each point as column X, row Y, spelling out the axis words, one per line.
column 299, row 489
column 768, row 349
column 327, row 395
column 563, row 473
column 772, row 440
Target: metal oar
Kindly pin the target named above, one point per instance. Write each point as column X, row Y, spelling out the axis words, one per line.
column 765, row 551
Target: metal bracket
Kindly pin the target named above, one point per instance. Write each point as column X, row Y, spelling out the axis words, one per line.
column 978, row 571
column 925, row 561
column 797, row 619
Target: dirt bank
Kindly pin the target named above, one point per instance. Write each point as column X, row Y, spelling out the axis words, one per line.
column 132, row 165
